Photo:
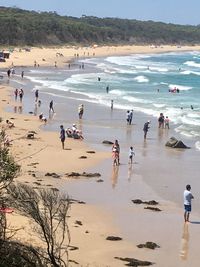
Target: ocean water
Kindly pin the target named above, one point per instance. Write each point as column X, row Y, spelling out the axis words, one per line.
column 138, row 82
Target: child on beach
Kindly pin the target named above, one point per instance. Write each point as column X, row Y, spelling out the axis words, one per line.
column 131, row 153
column 115, row 153
column 167, row 122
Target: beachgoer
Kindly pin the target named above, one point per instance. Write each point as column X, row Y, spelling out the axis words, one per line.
column 146, row 128
column 22, row 74
column 42, row 118
column 36, row 95
column 131, row 153
column 16, row 94
column 130, row 117
column 111, row 105
column 39, row 103
column 192, row 107
column 127, row 116
column 51, row 106
column 10, row 124
column 187, row 196
column 161, row 120
column 107, row 89
column 8, row 73
column 167, row 122
column 116, row 152
column 21, row 94
column 62, row 136
column 99, row 79
column 80, row 111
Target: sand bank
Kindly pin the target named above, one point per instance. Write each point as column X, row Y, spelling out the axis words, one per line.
column 59, row 56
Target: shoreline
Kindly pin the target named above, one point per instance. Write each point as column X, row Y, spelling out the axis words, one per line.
column 140, row 179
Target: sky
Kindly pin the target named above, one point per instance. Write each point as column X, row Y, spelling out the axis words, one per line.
column 169, row 11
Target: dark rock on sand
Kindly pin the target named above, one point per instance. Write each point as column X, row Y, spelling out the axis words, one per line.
column 30, row 112
column 78, row 223
column 73, row 248
column 113, row 238
column 152, row 208
column 174, row 143
column 91, row 152
column 84, row 174
column 139, row 201
column 134, row 262
column 100, row 181
column 82, row 157
column 52, row 174
column 150, row 245
column 106, row 142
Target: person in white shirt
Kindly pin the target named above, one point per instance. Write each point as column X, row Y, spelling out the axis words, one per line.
column 187, row 196
column 131, row 153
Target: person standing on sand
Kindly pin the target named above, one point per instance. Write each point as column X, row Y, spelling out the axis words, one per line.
column 116, row 152
column 130, row 117
column 167, row 122
column 80, row 111
column 127, row 116
column 16, row 94
column 21, row 94
column 146, row 128
column 111, row 105
column 36, row 95
column 22, row 74
column 131, row 153
column 62, row 136
column 51, row 106
column 187, row 196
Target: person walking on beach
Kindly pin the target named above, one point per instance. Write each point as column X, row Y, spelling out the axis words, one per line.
column 22, row 74
column 187, row 196
column 8, row 73
column 62, row 136
column 36, row 95
column 131, row 153
column 146, row 128
column 80, row 111
column 51, row 106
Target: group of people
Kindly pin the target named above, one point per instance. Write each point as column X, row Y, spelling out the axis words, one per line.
column 116, row 153
column 20, row 93
column 163, row 122
column 72, row 132
column 129, row 116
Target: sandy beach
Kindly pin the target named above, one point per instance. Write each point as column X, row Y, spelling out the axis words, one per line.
column 157, row 174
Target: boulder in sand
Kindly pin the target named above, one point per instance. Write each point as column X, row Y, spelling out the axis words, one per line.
column 106, row 142
column 174, row 143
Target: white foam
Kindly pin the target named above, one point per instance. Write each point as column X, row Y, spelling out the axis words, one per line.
column 135, row 99
column 116, row 92
column 197, row 145
column 192, row 64
column 141, row 79
column 188, row 72
column 159, row 105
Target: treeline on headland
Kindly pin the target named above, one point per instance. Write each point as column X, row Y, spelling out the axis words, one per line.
column 22, row 27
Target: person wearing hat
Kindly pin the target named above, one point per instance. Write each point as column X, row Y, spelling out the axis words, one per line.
column 187, row 196
column 146, row 128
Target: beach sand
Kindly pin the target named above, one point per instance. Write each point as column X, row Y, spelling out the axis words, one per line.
column 157, row 173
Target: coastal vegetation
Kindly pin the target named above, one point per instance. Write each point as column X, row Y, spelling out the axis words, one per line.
column 22, row 27
column 47, row 210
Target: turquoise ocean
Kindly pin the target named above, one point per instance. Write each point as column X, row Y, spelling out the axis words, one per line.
column 139, row 81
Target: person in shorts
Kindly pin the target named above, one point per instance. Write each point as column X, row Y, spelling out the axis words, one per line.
column 187, row 196
column 62, row 136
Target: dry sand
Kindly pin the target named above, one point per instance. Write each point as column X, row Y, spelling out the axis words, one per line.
column 48, row 56
column 44, row 154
